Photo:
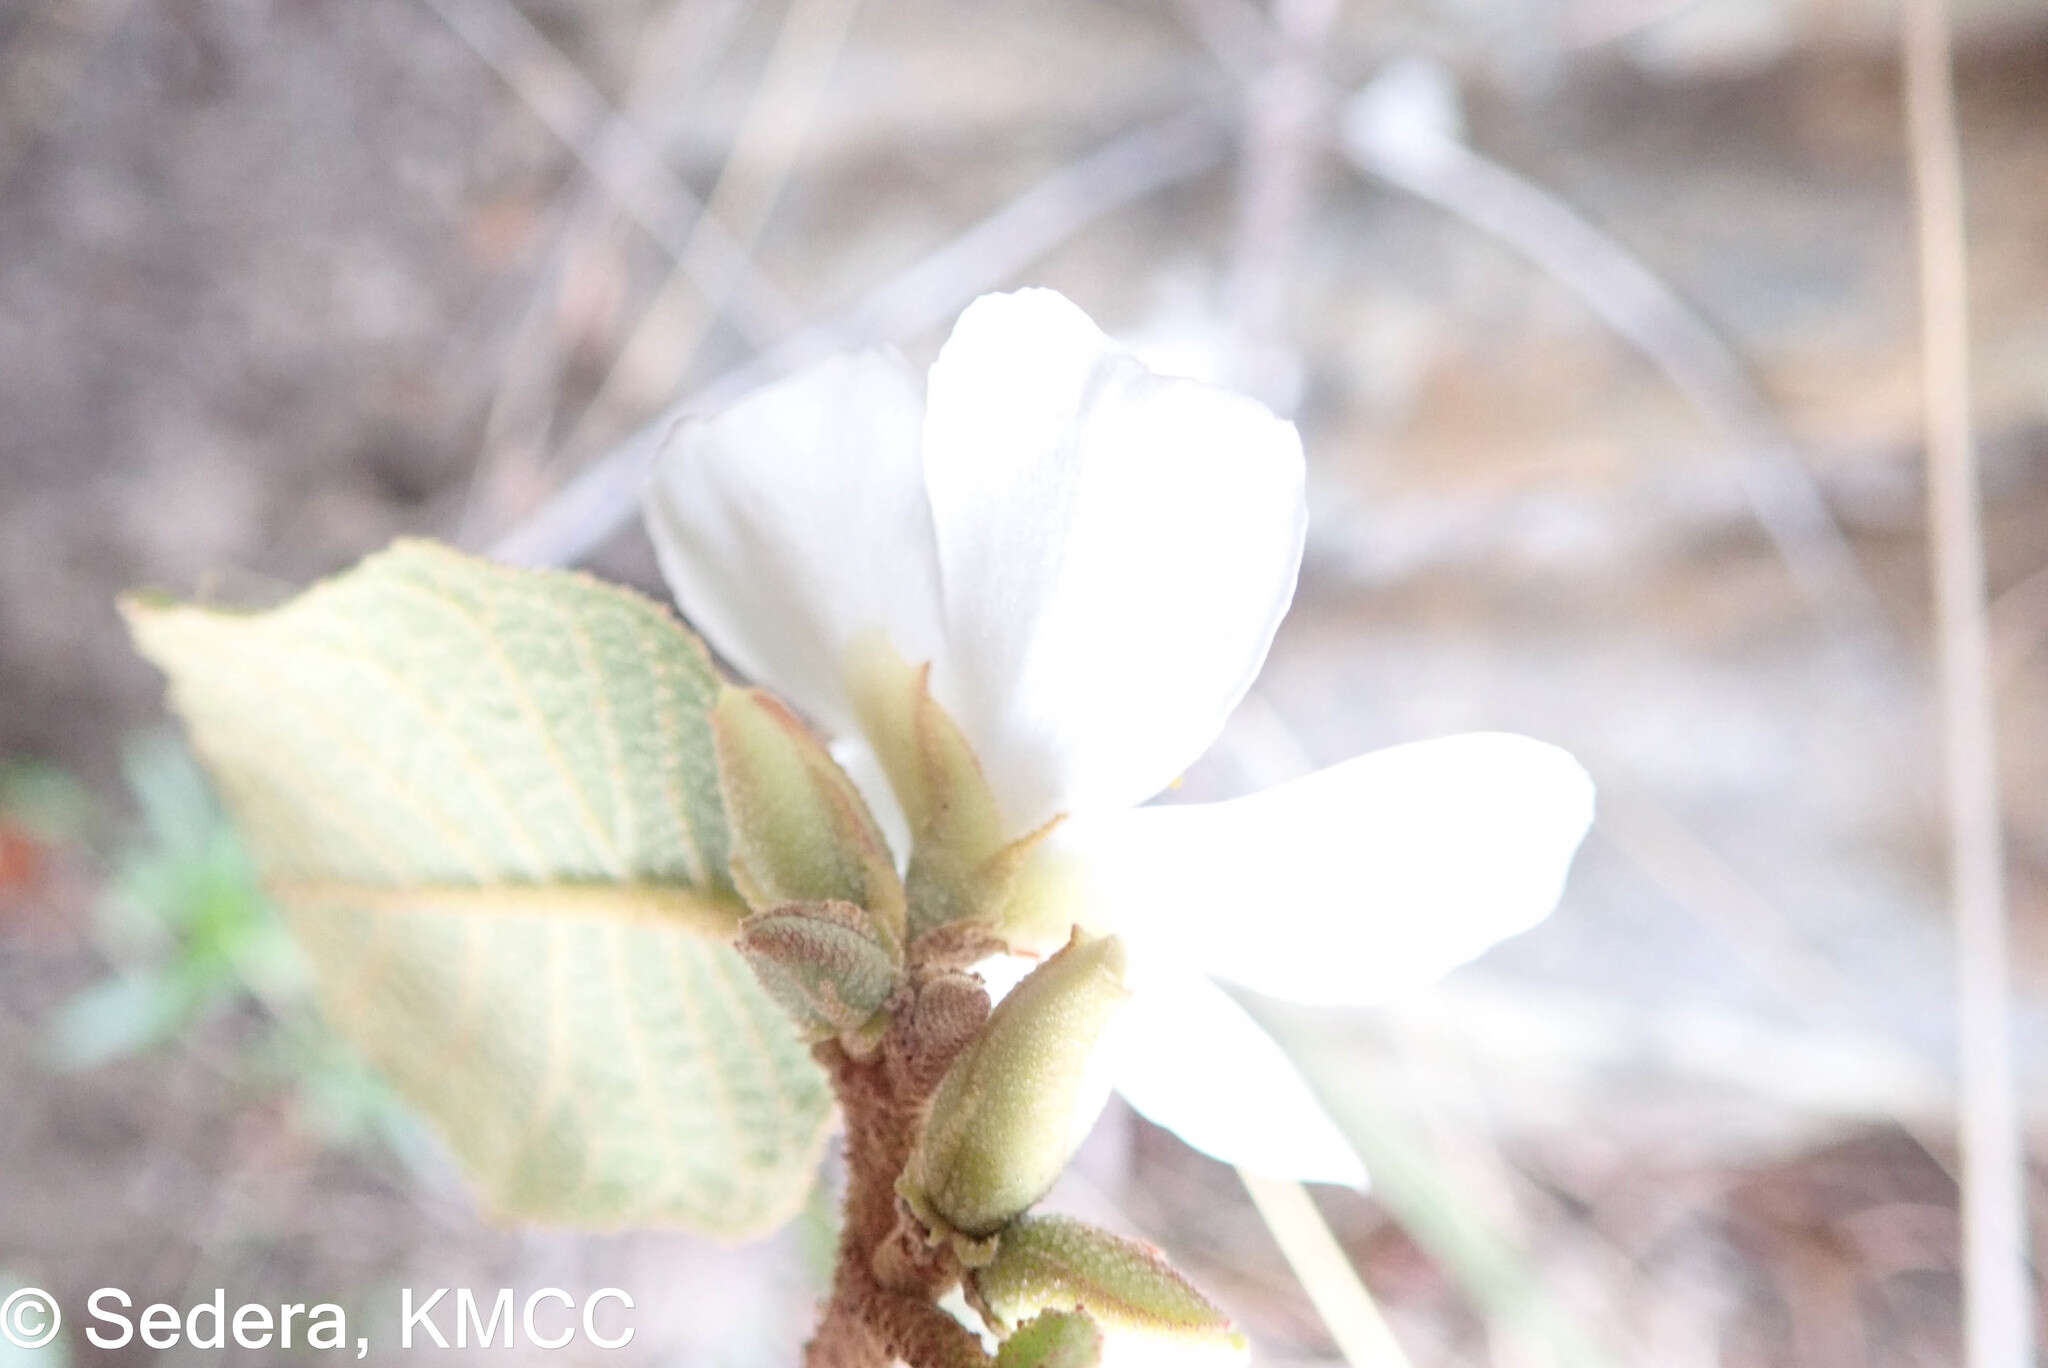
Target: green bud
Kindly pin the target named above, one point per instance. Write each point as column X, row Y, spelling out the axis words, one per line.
column 1008, row 1113
column 932, row 769
column 1056, row 1339
column 955, row 825
column 1056, row 1263
column 800, row 831
column 822, row 963
column 963, row 862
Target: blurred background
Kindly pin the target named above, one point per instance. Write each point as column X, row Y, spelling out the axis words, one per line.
column 1598, row 317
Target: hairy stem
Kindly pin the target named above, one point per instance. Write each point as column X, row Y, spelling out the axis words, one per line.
column 888, row 1277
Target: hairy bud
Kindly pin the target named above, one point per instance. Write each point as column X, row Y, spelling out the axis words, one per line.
column 1055, row 1263
column 822, row 963
column 1010, row 1110
column 946, row 1011
column 800, row 831
column 1056, row 1339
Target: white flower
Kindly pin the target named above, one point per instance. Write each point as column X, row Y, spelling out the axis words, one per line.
column 1094, row 558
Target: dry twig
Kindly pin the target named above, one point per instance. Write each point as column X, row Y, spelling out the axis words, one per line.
column 525, row 388
column 1997, row 1313
column 1432, row 164
column 590, row 508
column 763, row 152
column 1326, row 1274
column 615, row 151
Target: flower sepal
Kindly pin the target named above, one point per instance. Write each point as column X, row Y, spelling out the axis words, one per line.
column 964, row 868
column 801, row 833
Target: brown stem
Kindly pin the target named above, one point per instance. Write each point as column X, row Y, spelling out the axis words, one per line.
column 888, row 1275
column 926, row 1337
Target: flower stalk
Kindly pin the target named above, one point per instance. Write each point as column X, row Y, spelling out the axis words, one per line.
column 956, row 1122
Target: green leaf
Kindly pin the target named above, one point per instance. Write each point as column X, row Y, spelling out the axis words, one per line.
column 488, row 802
column 116, row 1017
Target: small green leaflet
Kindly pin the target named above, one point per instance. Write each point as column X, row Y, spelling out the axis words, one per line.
column 487, row 799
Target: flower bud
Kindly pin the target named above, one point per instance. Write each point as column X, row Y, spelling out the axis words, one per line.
column 1056, row 1263
column 800, row 831
column 1055, row 1339
column 822, row 963
column 1009, row 1112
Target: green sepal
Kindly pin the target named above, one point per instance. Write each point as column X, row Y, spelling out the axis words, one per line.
column 800, row 830
column 964, row 862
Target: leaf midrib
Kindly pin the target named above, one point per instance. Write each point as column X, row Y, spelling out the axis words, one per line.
column 656, row 901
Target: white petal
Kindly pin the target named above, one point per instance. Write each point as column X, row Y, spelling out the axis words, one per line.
column 1356, row 883
column 795, row 520
column 1000, row 973
column 864, row 767
column 1139, row 1349
column 1190, row 1059
column 1116, row 551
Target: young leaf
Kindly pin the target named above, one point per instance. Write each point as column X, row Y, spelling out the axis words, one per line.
column 488, row 802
